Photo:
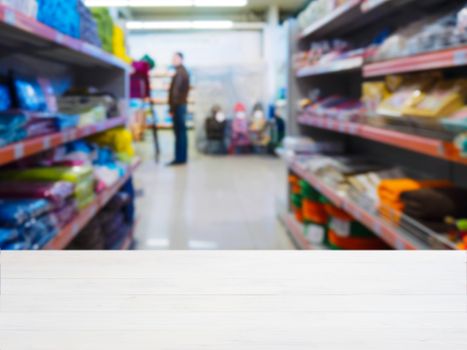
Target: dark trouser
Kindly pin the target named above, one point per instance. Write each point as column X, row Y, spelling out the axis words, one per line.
column 181, row 134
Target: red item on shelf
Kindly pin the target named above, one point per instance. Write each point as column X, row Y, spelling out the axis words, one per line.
column 356, row 243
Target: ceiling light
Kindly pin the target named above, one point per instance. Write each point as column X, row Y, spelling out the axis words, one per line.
column 179, row 25
column 166, row 3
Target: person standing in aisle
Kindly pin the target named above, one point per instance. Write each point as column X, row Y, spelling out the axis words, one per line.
column 178, row 100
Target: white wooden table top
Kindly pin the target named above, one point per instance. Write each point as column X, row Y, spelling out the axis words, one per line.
column 233, row 300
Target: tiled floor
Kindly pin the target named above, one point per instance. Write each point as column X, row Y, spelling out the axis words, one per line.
column 213, row 203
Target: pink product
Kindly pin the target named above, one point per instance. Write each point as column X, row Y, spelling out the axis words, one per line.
column 55, row 192
column 38, row 127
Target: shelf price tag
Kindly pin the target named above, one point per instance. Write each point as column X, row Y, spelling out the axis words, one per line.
column 59, row 38
column 10, row 17
column 460, row 58
column 19, row 150
column 377, row 227
column 399, row 245
column 46, row 143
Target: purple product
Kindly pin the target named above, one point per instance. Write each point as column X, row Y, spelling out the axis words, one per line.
column 56, row 192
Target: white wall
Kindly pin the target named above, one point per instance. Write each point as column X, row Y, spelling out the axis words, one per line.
column 218, row 48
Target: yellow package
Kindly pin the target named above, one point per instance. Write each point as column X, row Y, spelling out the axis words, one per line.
column 120, row 140
column 373, row 93
column 411, row 92
column 444, row 99
column 119, row 45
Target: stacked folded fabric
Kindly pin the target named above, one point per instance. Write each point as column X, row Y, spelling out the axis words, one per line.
column 88, row 26
column 12, row 128
column 26, row 223
column 390, row 192
column 90, row 109
column 81, row 176
column 434, row 206
column 60, row 15
column 109, row 228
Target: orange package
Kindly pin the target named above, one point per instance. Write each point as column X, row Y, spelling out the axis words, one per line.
column 337, row 213
column 314, row 212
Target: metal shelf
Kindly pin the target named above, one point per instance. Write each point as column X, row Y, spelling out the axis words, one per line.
column 339, row 18
column 20, row 32
column 424, row 145
column 339, row 66
column 449, row 58
column 27, row 148
column 66, row 236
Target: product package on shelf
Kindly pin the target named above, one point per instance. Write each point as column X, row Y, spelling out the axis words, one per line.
column 430, row 34
column 119, row 44
column 334, row 107
column 60, row 15
column 26, row 223
column 28, row 7
column 105, row 27
column 326, row 53
column 110, row 227
column 425, row 104
column 88, row 26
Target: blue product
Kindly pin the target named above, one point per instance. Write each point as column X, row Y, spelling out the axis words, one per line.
column 5, row 98
column 64, row 122
column 14, row 213
column 8, row 235
column 60, row 15
column 30, row 96
column 12, row 121
column 40, row 231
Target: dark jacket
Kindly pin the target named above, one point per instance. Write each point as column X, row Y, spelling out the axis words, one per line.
column 179, row 88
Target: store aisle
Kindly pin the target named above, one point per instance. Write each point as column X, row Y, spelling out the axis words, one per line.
column 214, row 203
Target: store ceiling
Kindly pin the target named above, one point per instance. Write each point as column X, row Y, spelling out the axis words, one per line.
column 254, row 11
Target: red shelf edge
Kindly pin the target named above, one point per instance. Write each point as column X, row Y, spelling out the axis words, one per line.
column 423, row 145
column 30, row 25
column 27, row 148
column 333, row 67
column 425, row 61
column 70, row 231
column 329, row 18
column 384, row 230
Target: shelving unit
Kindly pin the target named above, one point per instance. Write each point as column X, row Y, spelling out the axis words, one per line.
column 356, row 20
column 48, row 42
column 64, row 238
column 45, row 52
column 391, row 234
column 350, row 64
